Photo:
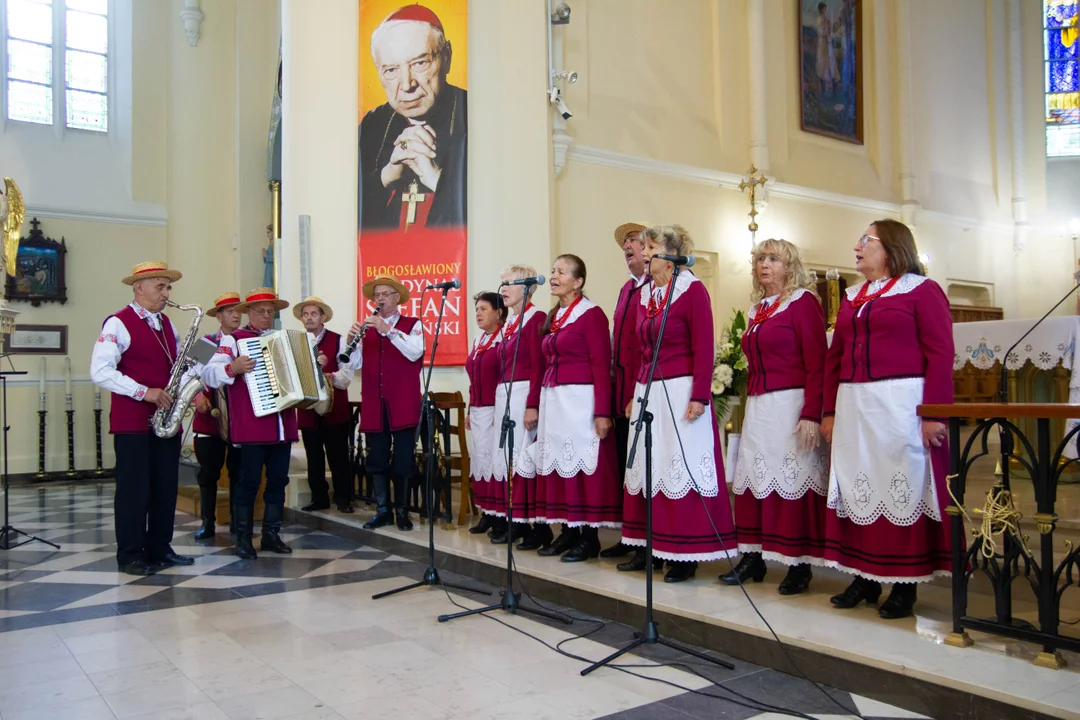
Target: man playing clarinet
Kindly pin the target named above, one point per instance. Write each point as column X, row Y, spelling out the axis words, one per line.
column 265, row 442
column 391, row 360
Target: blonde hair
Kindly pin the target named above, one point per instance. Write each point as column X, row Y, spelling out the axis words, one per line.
column 797, row 276
column 674, row 238
column 520, row 272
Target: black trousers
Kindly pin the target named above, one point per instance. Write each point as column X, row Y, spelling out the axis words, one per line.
column 147, row 473
column 275, row 458
column 323, row 444
column 401, row 444
column 213, row 453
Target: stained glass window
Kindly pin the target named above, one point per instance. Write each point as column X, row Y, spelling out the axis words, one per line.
column 1061, row 43
column 29, row 51
column 81, row 61
column 86, row 64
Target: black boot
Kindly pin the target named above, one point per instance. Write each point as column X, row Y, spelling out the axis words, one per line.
column 587, row 547
column 512, row 534
column 539, row 537
column 860, row 589
column 244, row 526
column 498, row 529
column 637, row 563
column 401, row 504
column 401, row 517
column 751, row 567
column 485, row 524
column 567, row 539
column 383, row 517
column 271, row 526
column 901, row 601
column 680, row 572
column 617, row 550
column 797, row 580
column 208, row 511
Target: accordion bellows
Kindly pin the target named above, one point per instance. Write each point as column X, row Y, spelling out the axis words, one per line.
column 286, row 373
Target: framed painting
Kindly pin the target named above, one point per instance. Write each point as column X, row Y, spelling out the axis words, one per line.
column 37, row 340
column 830, row 68
column 40, row 274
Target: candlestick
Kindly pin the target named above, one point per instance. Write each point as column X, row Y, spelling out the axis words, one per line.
column 71, row 437
column 41, row 442
column 67, row 376
column 97, row 399
column 99, row 470
column 41, row 383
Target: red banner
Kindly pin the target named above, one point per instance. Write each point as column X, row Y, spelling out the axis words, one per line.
column 413, row 141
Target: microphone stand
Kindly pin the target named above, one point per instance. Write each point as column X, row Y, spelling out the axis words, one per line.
column 427, row 421
column 650, row 635
column 510, row 601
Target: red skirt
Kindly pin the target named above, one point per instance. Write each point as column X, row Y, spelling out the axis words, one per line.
column 594, row 500
column 523, row 491
column 889, row 553
column 484, row 492
column 682, row 531
column 789, row 531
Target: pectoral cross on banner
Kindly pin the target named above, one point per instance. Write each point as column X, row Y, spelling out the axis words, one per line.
column 409, row 200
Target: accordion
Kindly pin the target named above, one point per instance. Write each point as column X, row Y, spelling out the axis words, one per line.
column 286, row 373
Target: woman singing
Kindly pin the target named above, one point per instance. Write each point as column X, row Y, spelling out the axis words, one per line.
column 782, row 475
column 483, row 369
column 691, row 512
column 577, row 478
column 521, row 366
column 892, row 350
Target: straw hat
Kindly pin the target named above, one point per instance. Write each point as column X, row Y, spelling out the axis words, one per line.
column 626, row 228
column 369, row 287
column 298, row 308
column 152, row 269
column 262, row 294
column 225, row 300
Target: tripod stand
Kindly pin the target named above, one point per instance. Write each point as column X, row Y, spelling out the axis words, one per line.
column 427, row 421
column 9, row 533
column 650, row 635
column 510, row 600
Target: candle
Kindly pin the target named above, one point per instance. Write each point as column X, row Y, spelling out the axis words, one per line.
column 67, row 376
column 97, row 399
column 41, row 384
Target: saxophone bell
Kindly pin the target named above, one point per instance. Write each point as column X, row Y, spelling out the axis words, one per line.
column 166, row 422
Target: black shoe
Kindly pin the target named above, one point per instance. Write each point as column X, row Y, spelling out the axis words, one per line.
column 587, row 547
column 511, row 534
column 315, row 506
column 140, row 567
column 751, row 567
column 567, row 539
column 797, row 580
column 539, row 537
column 637, row 563
column 403, row 521
column 206, row 532
column 382, row 519
column 244, row 527
column 485, row 524
column 860, row 589
column 498, row 527
column 347, row 508
column 617, row 550
column 900, row 603
column 273, row 515
column 680, row 572
column 171, row 558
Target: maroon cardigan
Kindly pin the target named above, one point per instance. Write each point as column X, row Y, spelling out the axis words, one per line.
column 580, row 354
column 688, row 348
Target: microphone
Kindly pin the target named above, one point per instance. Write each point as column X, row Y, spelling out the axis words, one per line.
column 687, row 260
column 1003, row 388
column 538, row 280
column 448, row 285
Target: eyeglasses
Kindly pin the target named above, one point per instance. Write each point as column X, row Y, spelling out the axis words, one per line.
column 384, row 294
column 261, row 311
column 867, row 238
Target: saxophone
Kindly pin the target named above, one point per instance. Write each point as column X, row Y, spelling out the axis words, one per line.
column 166, row 422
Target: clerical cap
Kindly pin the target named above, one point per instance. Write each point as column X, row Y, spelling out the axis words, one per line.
column 415, row 12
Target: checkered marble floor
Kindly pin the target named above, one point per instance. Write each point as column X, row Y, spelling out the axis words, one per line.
column 299, row 637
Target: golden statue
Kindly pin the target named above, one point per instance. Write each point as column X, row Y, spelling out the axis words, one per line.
column 12, row 214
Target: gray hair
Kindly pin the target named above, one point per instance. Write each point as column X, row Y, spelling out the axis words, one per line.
column 674, row 238
column 442, row 47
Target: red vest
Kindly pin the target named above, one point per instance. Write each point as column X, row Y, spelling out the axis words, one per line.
column 244, row 427
column 204, row 423
column 389, row 380
column 626, row 347
column 146, row 363
column 339, row 414
column 483, row 371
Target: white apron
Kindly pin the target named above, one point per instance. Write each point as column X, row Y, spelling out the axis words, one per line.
column 522, row 437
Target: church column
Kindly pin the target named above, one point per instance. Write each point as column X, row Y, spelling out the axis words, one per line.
column 1015, row 94
column 910, row 205
column 759, row 139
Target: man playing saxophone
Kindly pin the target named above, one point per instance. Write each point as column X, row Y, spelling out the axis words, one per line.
column 133, row 359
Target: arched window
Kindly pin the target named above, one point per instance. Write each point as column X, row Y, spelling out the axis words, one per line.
column 57, row 68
